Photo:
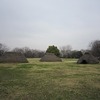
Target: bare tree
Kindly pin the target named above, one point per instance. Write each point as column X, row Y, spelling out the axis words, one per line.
column 19, row 50
column 3, row 48
column 29, row 53
column 65, row 51
column 95, row 48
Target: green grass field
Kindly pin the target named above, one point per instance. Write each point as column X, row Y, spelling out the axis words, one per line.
column 50, row 81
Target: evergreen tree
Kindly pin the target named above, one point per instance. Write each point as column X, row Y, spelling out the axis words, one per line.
column 53, row 49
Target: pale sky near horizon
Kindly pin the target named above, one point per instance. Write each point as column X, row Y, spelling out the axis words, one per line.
column 40, row 23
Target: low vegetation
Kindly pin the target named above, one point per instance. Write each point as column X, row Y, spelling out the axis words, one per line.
column 50, row 81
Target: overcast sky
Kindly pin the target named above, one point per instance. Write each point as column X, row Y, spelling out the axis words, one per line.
column 40, row 23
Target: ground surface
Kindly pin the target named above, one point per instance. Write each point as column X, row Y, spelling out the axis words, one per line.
column 49, row 81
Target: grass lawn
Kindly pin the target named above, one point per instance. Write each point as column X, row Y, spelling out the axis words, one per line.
column 50, row 81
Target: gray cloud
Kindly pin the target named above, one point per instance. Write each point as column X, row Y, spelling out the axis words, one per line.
column 39, row 23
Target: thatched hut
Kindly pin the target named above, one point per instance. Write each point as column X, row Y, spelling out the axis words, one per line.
column 50, row 57
column 13, row 57
column 88, row 58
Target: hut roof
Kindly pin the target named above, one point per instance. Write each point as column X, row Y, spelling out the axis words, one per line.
column 50, row 57
column 88, row 58
column 13, row 57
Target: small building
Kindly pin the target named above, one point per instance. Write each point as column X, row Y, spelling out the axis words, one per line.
column 88, row 58
column 13, row 57
column 50, row 57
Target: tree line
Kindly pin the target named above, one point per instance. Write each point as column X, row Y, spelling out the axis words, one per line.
column 29, row 53
column 64, row 51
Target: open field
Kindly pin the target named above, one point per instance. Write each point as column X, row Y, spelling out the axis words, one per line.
column 50, row 81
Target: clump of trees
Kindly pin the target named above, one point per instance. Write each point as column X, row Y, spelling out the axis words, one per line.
column 67, row 52
column 29, row 53
column 53, row 49
column 76, row 54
